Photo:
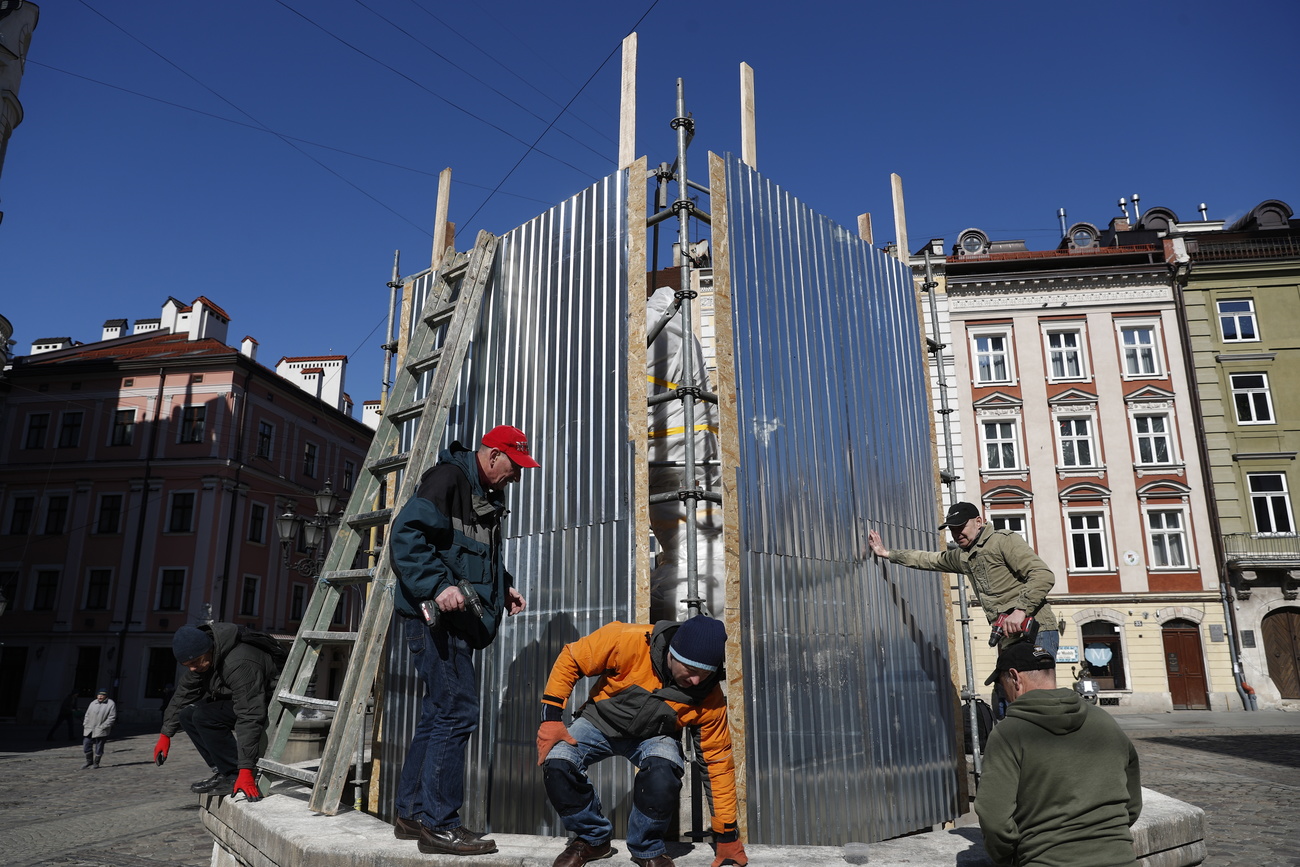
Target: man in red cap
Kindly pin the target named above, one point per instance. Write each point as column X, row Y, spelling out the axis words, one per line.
column 452, row 589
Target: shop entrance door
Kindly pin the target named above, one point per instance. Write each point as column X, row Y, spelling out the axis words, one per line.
column 1281, row 631
column 1184, row 666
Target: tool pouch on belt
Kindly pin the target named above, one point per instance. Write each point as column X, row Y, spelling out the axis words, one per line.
column 633, row 713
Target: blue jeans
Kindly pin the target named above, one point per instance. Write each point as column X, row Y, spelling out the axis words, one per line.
column 1049, row 640
column 432, row 786
column 645, row 833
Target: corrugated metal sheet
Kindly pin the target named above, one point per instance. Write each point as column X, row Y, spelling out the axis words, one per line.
column 550, row 357
column 846, row 667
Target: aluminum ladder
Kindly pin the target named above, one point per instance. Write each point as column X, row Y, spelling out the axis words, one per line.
column 435, row 355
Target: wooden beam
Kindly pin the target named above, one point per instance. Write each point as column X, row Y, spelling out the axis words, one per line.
column 900, row 219
column 627, row 108
column 748, row 131
column 864, row 228
column 637, row 392
column 440, row 219
column 729, row 451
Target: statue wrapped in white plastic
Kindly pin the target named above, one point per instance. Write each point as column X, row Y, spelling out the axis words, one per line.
column 665, row 370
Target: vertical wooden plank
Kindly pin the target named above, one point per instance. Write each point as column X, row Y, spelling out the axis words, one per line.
column 637, row 392
column 729, row 451
column 864, row 228
column 900, row 218
column 440, row 219
column 748, row 131
column 627, row 109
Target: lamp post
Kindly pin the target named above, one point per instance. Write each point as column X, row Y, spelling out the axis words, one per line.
column 315, row 531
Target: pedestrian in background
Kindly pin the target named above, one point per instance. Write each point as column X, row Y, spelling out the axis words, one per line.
column 96, row 727
column 67, row 716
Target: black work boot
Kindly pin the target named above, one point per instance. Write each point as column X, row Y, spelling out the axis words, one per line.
column 90, row 761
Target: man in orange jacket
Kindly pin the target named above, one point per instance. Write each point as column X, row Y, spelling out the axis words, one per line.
column 653, row 681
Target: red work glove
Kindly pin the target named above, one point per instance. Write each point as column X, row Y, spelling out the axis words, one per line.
column 247, row 784
column 549, row 734
column 160, row 750
column 733, row 851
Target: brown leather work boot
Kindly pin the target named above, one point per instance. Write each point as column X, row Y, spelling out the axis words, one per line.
column 454, row 841
column 656, row 861
column 579, row 852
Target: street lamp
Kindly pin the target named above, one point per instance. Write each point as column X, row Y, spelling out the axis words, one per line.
column 314, row 529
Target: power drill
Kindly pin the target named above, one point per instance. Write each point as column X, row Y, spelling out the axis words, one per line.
column 999, row 630
column 433, row 614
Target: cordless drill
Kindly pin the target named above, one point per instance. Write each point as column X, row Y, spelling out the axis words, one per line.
column 433, row 614
column 1000, row 632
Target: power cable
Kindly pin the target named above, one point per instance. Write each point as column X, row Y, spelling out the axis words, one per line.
column 531, row 147
column 240, row 123
column 426, row 46
column 284, row 139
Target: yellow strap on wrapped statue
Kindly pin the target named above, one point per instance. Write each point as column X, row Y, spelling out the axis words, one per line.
column 674, row 431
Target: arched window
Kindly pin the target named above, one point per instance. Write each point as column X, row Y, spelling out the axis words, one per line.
column 1104, row 654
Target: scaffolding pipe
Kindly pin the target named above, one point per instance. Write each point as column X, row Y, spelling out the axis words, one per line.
column 949, row 477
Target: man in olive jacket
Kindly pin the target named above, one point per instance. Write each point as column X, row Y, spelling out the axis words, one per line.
column 1008, row 577
column 221, row 702
column 1061, row 784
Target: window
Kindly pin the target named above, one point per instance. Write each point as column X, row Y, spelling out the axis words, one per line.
column 1251, row 398
column 298, row 600
column 1237, row 320
column 47, row 590
column 38, row 425
column 265, row 438
column 1168, row 542
column 248, row 599
column 70, row 430
column 1010, row 521
column 171, row 590
column 20, row 519
column 123, row 427
column 1064, row 355
column 1088, row 541
column 110, row 514
column 1153, row 443
column 1270, row 503
column 1104, row 654
column 349, row 475
column 97, row 586
column 160, row 677
column 1001, row 450
column 1077, row 448
column 309, row 460
column 257, row 523
column 992, row 363
column 192, row 419
column 56, row 514
column 1141, row 357
column 181, row 514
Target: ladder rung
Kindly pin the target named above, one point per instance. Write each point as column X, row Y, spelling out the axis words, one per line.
column 326, row 636
column 289, row 771
column 456, row 268
column 362, row 520
column 347, row 576
column 389, row 464
column 289, row 698
column 439, row 315
column 420, row 366
column 404, row 413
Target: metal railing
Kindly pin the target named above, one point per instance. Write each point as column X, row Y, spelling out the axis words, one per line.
column 1277, row 547
column 1259, row 248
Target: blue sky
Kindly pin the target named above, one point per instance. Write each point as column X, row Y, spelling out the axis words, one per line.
column 143, row 167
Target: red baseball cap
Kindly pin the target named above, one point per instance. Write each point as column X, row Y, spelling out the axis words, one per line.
column 512, row 442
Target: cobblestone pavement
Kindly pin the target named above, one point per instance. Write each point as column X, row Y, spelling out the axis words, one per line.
column 1243, row 770
column 1245, row 775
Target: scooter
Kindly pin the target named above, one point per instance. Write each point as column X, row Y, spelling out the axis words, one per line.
column 1084, row 685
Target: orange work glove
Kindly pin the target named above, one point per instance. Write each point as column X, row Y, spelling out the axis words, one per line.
column 733, row 851
column 160, row 750
column 549, row 734
column 247, row 784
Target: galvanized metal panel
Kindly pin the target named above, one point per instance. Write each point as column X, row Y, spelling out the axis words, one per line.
column 550, row 357
column 847, row 686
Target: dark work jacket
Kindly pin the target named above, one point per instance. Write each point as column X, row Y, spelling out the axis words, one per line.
column 448, row 531
column 241, row 674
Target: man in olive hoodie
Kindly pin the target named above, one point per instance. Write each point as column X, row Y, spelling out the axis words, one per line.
column 1060, row 786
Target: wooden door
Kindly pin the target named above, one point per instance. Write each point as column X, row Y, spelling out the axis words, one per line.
column 1185, row 668
column 1281, row 631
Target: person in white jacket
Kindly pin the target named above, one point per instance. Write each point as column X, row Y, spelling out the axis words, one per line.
column 96, row 727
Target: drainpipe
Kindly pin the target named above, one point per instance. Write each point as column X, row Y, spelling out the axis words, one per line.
column 234, row 494
column 1179, row 268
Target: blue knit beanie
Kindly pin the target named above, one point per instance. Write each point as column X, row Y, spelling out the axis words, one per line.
column 190, row 642
column 700, row 642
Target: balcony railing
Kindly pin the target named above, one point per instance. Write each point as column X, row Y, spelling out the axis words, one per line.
column 1261, row 547
column 1260, row 248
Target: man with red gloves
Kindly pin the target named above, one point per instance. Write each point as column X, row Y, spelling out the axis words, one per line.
column 221, row 703
column 653, row 681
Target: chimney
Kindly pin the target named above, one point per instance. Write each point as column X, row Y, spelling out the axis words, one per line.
column 113, row 329
column 248, row 348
